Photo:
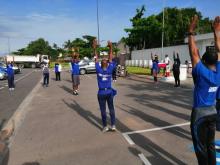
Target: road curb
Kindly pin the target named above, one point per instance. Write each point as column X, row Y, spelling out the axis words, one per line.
column 18, row 117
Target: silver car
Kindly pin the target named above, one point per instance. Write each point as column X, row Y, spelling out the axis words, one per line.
column 87, row 66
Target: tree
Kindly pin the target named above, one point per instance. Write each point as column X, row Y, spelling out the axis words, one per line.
column 146, row 32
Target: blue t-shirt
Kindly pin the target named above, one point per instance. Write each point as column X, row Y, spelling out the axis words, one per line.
column 75, row 68
column 155, row 65
column 10, row 70
column 206, row 84
column 104, row 78
column 56, row 68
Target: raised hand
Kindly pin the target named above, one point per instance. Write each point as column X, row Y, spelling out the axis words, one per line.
column 216, row 30
column 94, row 44
column 109, row 44
column 193, row 24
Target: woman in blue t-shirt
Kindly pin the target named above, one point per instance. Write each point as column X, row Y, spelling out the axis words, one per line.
column 155, row 67
column 106, row 92
column 206, row 76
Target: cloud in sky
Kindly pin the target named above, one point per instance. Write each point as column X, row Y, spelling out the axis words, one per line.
column 60, row 20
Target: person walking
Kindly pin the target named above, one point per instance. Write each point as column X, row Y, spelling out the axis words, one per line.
column 46, row 75
column 206, row 73
column 75, row 72
column 10, row 72
column 57, row 69
column 105, row 93
column 176, row 69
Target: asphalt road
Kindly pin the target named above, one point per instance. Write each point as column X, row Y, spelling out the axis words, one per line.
column 152, row 123
column 10, row 100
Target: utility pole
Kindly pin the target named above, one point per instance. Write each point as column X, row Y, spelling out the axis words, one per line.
column 97, row 12
column 9, row 46
column 163, row 31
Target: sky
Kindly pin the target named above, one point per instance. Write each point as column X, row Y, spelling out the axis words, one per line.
column 22, row 21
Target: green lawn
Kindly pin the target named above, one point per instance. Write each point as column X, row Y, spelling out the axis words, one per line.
column 139, row 70
column 64, row 64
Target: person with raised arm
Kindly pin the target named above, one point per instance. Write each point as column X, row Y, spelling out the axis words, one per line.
column 75, row 71
column 105, row 93
column 206, row 76
column 176, row 69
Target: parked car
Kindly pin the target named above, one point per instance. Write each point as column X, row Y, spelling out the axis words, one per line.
column 15, row 68
column 87, row 66
column 3, row 74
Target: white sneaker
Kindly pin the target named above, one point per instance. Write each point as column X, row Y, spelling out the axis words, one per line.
column 113, row 128
column 105, row 129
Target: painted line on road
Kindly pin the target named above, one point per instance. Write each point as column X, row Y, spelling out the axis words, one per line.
column 144, row 159
column 157, row 129
column 21, row 78
column 24, row 76
column 128, row 139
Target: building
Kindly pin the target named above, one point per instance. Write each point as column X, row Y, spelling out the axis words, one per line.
column 202, row 41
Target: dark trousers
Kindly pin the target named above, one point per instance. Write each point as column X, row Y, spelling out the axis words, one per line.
column 203, row 136
column 11, row 82
column 114, row 77
column 176, row 75
column 57, row 76
column 102, row 104
column 46, row 78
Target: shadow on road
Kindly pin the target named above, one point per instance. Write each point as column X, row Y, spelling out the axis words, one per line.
column 86, row 114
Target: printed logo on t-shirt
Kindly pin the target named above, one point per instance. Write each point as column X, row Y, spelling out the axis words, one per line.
column 104, row 76
column 213, row 89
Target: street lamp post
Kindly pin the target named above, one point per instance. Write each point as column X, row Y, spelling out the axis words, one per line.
column 97, row 12
column 162, row 31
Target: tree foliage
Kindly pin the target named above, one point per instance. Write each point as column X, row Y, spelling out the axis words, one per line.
column 146, row 32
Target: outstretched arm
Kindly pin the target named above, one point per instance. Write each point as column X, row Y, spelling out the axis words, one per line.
column 174, row 57
column 216, row 30
column 110, row 51
column 193, row 50
column 94, row 45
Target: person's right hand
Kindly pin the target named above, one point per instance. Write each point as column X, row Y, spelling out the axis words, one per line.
column 193, row 24
column 216, row 30
column 94, row 44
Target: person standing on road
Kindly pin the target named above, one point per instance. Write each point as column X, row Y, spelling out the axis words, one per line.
column 57, row 70
column 75, row 72
column 155, row 67
column 167, row 69
column 10, row 72
column 206, row 73
column 46, row 75
column 105, row 93
column 114, row 73
column 176, row 69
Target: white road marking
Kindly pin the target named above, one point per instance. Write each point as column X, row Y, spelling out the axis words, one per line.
column 157, row 129
column 21, row 78
column 144, row 159
column 129, row 140
column 24, row 76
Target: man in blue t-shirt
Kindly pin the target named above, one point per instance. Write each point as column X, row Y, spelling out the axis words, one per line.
column 10, row 72
column 105, row 92
column 57, row 69
column 155, row 67
column 75, row 72
column 206, row 76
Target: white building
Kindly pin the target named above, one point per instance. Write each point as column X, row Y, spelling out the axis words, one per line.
column 202, row 42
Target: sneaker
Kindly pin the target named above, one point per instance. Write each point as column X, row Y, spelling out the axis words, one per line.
column 113, row 128
column 105, row 129
column 74, row 93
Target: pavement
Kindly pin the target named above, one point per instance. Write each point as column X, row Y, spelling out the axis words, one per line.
column 10, row 101
column 59, row 128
